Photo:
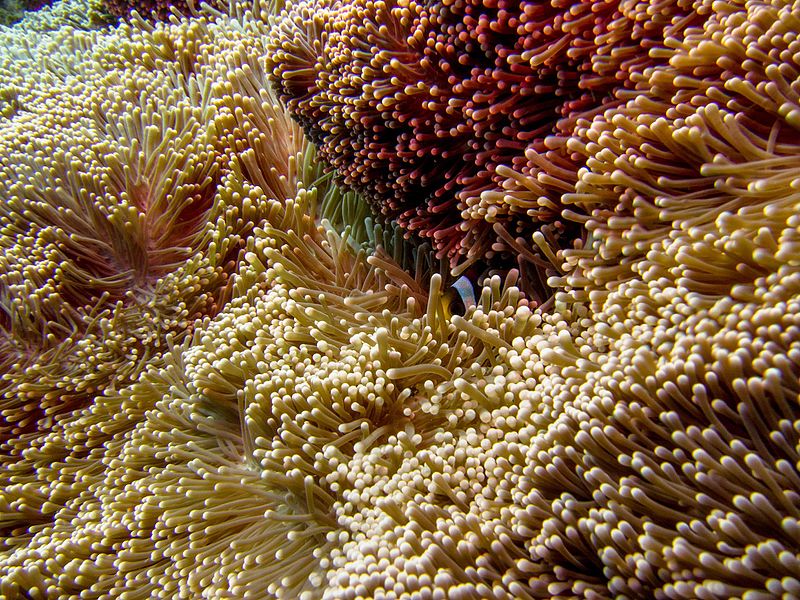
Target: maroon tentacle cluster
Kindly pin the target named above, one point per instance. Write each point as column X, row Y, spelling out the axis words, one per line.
column 425, row 107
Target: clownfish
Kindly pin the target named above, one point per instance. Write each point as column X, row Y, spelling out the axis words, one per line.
column 459, row 298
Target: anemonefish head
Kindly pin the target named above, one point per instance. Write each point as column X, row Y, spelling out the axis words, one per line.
column 460, row 297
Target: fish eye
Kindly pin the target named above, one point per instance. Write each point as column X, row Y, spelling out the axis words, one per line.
column 455, row 303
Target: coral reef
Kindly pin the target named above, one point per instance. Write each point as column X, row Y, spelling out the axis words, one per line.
column 219, row 379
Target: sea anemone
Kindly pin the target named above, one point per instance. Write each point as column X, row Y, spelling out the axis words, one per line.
column 426, row 107
column 152, row 10
column 241, row 399
column 125, row 216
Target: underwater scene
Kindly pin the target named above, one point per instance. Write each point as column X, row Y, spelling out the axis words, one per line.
column 400, row 299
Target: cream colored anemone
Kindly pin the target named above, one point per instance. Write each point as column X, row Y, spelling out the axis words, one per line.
column 280, row 414
column 124, row 216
